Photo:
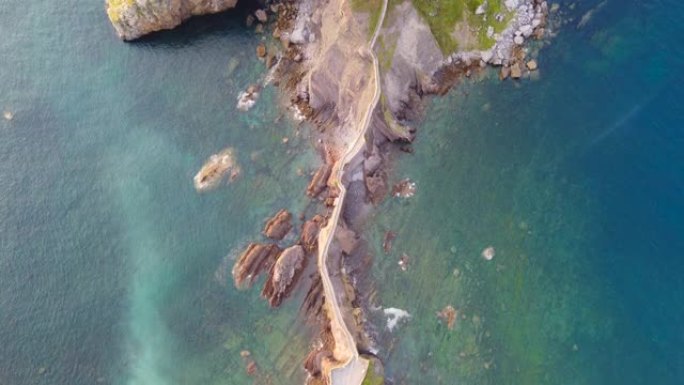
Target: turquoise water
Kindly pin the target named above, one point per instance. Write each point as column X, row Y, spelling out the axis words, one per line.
column 113, row 269
column 108, row 257
column 577, row 180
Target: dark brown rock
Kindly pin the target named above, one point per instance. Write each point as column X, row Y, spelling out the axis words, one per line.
column 279, row 225
column 254, row 260
column 310, row 229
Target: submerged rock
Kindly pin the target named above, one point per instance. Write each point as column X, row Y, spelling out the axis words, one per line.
column 448, row 315
column 278, row 226
column 218, row 165
column 134, row 18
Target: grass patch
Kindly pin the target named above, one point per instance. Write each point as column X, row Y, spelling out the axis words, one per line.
column 443, row 15
column 372, row 378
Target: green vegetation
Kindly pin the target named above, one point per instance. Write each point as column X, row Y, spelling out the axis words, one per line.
column 455, row 24
column 372, row 378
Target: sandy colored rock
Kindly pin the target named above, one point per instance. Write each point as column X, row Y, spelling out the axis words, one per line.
column 214, row 170
column 279, row 225
column 516, row 71
column 504, row 73
column 532, row 65
column 261, row 50
column 134, row 18
column 283, row 275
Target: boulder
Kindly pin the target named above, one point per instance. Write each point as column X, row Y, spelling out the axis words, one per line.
column 516, row 71
column 532, row 65
column 279, row 225
column 283, row 275
column 134, row 18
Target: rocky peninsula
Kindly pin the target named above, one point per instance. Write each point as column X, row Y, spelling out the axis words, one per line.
column 359, row 73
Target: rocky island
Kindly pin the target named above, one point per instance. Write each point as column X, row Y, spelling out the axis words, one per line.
column 359, row 73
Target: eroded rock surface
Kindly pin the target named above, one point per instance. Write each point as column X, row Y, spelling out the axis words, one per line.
column 256, row 259
column 278, row 226
column 283, row 275
column 134, row 18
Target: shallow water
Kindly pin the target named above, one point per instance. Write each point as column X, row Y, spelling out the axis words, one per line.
column 112, row 266
column 114, row 270
column 576, row 180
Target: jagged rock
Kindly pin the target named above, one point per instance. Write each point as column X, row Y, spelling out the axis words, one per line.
column 532, row 65
column 254, row 260
column 319, row 180
column 376, row 186
column 134, row 18
column 283, row 275
column 278, row 226
column 310, row 231
column 213, row 171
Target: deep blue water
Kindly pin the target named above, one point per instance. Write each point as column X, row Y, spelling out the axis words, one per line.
column 108, row 257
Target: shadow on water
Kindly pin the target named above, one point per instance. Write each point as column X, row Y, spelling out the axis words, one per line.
column 199, row 28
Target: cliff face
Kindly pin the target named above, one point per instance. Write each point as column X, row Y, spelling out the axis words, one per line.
column 135, row 18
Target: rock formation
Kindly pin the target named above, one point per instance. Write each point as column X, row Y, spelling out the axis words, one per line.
column 278, row 226
column 310, row 231
column 252, row 262
column 134, row 18
column 218, row 165
column 283, row 275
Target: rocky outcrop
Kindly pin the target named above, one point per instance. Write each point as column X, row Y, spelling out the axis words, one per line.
column 134, row 18
column 278, row 226
column 284, row 274
column 310, row 231
column 319, row 181
column 256, row 259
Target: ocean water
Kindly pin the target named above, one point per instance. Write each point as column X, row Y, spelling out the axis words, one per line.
column 576, row 178
column 114, row 270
